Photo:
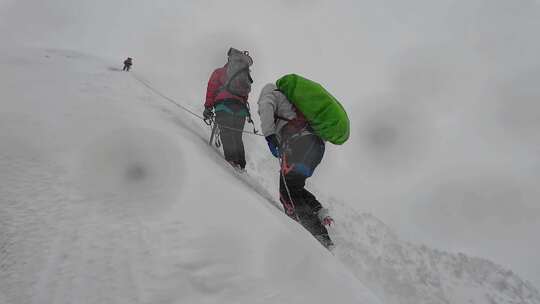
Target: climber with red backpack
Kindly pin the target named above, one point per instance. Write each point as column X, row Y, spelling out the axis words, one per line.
column 227, row 95
column 297, row 117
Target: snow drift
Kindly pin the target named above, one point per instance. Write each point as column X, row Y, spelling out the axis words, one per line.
column 105, row 199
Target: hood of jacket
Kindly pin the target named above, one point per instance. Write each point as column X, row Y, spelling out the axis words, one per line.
column 268, row 88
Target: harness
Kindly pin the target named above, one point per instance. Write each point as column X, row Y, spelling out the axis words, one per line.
column 294, row 129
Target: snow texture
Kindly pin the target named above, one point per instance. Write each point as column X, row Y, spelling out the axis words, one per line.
column 442, row 96
column 110, row 194
column 107, row 196
column 400, row 272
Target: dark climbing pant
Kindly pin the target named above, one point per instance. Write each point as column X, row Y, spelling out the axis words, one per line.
column 300, row 159
column 127, row 67
column 231, row 127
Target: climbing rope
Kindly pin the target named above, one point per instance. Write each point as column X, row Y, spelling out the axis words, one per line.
column 184, row 108
column 282, row 164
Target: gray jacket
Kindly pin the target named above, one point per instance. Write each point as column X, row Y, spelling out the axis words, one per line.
column 273, row 103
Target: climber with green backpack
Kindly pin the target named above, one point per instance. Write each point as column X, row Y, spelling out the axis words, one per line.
column 297, row 117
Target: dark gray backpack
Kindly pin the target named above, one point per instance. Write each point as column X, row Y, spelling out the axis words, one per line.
column 237, row 77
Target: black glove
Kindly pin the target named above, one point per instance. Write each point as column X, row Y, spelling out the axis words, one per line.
column 207, row 114
column 273, row 144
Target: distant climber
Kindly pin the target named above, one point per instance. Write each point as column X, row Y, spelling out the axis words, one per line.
column 127, row 64
column 297, row 117
column 227, row 95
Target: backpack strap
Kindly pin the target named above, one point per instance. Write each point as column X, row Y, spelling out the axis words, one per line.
column 277, row 117
column 246, row 69
column 227, row 85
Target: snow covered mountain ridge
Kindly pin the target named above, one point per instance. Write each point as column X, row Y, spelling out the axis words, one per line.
column 401, row 272
column 159, row 241
column 108, row 196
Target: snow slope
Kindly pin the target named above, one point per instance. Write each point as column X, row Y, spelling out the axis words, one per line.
column 404, row 273
column 442, row 97
column 108, row 196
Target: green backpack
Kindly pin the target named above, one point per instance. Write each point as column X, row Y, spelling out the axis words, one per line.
column 325, row 114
